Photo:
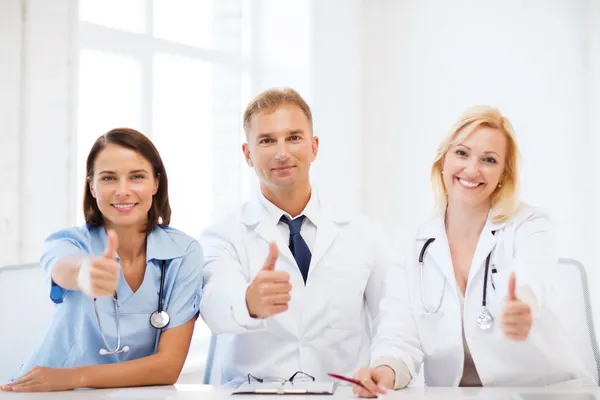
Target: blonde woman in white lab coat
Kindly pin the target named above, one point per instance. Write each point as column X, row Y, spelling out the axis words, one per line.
column 475, row 310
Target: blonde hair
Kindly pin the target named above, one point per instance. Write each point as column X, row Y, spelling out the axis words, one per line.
column 271, row 99
column 505, row 198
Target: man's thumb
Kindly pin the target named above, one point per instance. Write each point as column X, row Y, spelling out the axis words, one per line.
column 271, row 258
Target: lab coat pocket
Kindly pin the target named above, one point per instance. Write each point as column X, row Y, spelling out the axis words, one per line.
column 344, row 348
column 430, row 328
column 346, row 296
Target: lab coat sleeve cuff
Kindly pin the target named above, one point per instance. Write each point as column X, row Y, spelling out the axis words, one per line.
column 241, row 315
column 403, row 376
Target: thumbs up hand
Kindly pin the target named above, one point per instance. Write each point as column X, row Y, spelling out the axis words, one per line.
column 516, row 318
column 99, row 276
column 269, row 292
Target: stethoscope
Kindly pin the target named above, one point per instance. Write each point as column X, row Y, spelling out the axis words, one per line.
column 485, row 319
column 159, row 318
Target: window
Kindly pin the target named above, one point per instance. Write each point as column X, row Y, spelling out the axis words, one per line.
column 182, row 72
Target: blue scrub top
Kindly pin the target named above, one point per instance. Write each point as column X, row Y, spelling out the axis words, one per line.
column 74, row 339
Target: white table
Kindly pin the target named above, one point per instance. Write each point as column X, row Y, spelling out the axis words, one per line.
column 208, row 392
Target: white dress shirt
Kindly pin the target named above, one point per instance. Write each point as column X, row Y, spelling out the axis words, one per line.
column 308, row 230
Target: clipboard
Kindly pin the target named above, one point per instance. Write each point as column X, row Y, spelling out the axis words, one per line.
column 287, row 387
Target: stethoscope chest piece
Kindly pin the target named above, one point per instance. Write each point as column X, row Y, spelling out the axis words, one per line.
column 159, row 319
column 485, row 320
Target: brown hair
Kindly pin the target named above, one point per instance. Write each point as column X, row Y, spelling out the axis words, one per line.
column 273, row 98
column 160, row 211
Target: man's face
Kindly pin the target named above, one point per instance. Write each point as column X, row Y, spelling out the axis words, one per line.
column 280, row 147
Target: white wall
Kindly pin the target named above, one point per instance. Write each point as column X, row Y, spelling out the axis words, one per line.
column 297, row 47
column 37, row 37
column 594, row 130
column 10, row 121
column 337, row 68
column 426, row 61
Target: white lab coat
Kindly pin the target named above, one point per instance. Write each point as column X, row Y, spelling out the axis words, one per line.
column 326, row 327
column 408, row 335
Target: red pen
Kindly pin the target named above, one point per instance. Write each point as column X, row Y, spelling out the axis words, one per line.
column 343, row 378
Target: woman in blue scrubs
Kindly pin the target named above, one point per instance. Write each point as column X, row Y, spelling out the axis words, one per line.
column 105, row 280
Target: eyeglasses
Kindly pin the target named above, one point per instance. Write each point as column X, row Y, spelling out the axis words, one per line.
column 298, row 376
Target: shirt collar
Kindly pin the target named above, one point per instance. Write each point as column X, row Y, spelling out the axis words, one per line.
column 162, row 246
column 311, row 210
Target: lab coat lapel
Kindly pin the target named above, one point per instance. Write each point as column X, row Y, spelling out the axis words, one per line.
column 438, row 250
column 486, row 244
column 327, row 231
column 254, row 215
column 269, row 233
column 440, row 253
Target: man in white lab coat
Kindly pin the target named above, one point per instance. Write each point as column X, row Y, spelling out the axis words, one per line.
column 296, row 281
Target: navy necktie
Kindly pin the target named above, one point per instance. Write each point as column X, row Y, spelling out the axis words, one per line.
column 298, row 246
